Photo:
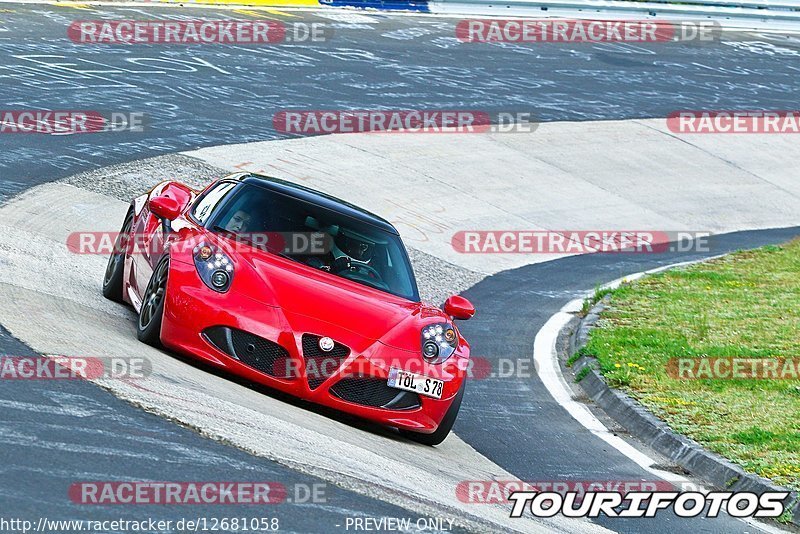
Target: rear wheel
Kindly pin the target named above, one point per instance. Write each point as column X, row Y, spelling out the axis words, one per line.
column 115, row 270
column 445, row 426
column 151, row 314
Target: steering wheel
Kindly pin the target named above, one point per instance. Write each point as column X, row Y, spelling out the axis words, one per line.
column 366, row 279
column 370, row 270
column 359, row 271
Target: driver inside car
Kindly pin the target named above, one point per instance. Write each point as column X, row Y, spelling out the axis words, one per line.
column 354, row 258
column 239, row 222
column 357, row 249
column 345, row 255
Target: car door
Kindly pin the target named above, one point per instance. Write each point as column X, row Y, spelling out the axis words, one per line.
column 150, row 241
column 196, row 215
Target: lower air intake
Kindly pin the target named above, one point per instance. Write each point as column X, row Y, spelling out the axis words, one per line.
column 374, row 392
column 261, row 354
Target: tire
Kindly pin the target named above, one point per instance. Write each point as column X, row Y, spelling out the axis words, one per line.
column 151, row 314
column 115, row 269
column 445, row 426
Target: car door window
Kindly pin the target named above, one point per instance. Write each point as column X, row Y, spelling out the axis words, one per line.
column 207, row 203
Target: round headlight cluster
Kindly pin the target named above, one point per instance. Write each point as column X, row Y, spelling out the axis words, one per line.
column 430, row 349
column 214, row 267
column 439, row 342
column 220, row 279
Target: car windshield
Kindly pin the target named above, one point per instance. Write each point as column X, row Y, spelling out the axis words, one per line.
column 318, row 237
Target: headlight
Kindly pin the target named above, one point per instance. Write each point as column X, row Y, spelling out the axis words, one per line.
column 439, row 342
column 214, row 267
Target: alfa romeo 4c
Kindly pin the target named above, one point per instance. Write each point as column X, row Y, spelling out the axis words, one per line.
column 296, row 290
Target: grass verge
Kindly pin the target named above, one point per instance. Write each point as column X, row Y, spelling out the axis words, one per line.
column 744, row 305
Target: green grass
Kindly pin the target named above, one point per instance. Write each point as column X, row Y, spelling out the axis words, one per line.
column 742, row 305
column 598, row 295
column 580, row 375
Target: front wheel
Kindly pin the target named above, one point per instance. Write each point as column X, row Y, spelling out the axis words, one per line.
column 445, row 426
column 151, row 314
column 115, row 270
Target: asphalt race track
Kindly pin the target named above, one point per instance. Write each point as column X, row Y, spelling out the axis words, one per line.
column 198, row 96
column 536, row 422
column 55, row 434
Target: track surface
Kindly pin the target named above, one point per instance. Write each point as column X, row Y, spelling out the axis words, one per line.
column 353, row 455
column 54, row 435
column 204, row 96
column 730, row 183
column 531, row 420
column 268, row 426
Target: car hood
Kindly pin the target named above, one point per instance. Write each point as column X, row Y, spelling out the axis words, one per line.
column 318, row 302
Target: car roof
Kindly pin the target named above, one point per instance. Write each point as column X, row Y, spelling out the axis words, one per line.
column 317, row 198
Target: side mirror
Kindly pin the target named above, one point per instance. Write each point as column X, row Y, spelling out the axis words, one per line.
column 165, row 208
column 459, row 308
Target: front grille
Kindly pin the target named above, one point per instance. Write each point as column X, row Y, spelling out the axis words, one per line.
column 321, row 365
column 374, row 392
column 259, row 353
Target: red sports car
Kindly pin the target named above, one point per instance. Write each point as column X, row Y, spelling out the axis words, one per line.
column 296, row 290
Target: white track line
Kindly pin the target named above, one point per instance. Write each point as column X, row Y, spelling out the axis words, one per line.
column 545, row 357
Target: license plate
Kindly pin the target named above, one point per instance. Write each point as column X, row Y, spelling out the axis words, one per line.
column 424, row 385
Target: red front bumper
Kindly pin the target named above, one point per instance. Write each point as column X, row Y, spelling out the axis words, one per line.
column 191, row 308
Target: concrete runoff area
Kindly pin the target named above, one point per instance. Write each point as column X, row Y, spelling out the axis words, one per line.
column 607, row 175
column 483, row 181
column 288, row 433
column 79, row 431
